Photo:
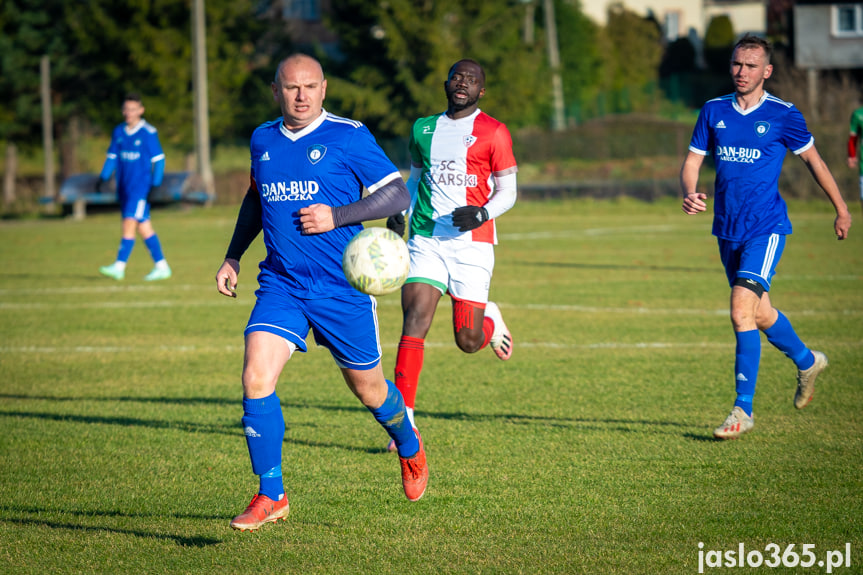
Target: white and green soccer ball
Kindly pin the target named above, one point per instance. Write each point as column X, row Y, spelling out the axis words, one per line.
column 376, row 261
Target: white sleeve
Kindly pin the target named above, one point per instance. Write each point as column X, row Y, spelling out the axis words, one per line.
column 504, row 195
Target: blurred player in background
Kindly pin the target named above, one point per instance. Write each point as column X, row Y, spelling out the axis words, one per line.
column 463, row 175
column 748, row 133
column 307, row 172
column 136, row 154
column 855, row 143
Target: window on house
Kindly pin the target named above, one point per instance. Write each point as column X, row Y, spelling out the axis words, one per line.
column 302, row 10
column 672, row 26
column 848, row 20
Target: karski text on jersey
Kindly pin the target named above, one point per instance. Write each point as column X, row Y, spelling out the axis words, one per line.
column 447, row 174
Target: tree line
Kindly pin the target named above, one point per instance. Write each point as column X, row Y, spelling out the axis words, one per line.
column 388, row 69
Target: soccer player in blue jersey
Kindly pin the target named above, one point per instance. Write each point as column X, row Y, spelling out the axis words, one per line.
column 307, row 172
column 748, row 133
column 136, row 154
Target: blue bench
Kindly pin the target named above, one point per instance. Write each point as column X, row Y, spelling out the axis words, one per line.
column 79, row 190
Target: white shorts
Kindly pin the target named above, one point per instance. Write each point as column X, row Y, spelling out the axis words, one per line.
column 461, row 267
column 861, row 187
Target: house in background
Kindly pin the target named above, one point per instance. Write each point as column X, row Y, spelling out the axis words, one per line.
column 827, row 35
column 687, row 18
column 676, row 17
column 304, row 21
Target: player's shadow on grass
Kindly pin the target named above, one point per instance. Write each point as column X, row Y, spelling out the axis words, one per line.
column 177, row 539
column 126, row 398
column 706, row 438
column 232, row 429
column 225, row 429
column 6, row 508
column 592, row 423
column 576, row 265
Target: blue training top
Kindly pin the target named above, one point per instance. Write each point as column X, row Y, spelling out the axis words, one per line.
column 327, row 162
column 748, row 148
column 138, row 157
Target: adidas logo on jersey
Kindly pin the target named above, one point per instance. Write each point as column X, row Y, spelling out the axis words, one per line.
column 265, row 157
column 720, row 124
column 249, row 431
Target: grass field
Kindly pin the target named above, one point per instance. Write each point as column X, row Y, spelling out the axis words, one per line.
column 590, row 451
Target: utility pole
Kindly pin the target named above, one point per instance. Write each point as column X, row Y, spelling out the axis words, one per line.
column 199, row 84
column 529, row 10
column 558, row 121
column 47, row 125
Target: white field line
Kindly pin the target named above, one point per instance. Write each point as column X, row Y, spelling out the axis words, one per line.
column 450, row 346
column 82, row 349
column 210, row 289
column 217, row 300
column 589, row 232
column 111, row 305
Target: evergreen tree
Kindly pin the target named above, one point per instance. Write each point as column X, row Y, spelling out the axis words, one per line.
column 719, row 43
column 581, row 61
column 102, row 49
column 632, row 51
column 397, row 55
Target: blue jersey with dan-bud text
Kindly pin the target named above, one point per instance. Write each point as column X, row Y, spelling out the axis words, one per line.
column 748, row 149
column 327, row 162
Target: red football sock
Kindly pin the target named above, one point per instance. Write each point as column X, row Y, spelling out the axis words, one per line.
column 463, row 311
column 487, row 330
column 409, row 363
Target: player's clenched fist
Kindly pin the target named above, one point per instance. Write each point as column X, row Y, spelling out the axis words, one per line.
column 226, row 278
column 694, row 203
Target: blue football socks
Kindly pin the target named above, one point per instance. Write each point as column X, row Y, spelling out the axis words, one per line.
column 782, row 335
column 393, row 416
column 264, row 428
column 271, row 483
column 747, row 358
column 155, row 248
column 125, row 250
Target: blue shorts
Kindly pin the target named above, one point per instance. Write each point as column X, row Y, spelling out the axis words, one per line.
column 753, row 259
column 346, row 324
column 135, row 206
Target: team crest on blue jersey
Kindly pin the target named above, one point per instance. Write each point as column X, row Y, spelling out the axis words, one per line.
column 761, row 128
column 469, row 140
column 316, row 153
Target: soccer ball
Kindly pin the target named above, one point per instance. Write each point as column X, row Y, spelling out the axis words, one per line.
column 376, row 261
